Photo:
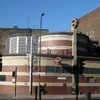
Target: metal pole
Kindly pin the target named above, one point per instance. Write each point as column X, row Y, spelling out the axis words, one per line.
column 31, row 67
column 39, row 69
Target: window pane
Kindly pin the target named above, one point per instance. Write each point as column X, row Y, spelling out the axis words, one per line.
column 2, row 78
column 95, row 71
column 58, row 70
column 50, row 69
column 91, row 71
column 86, row 71
column 65, row 71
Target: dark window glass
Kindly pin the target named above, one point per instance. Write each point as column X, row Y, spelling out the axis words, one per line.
column 50, row 69
column 58, row 70
column 86, row 71
column 95, row 71
column 91, row 71
column 65, row 71
column 2, row 78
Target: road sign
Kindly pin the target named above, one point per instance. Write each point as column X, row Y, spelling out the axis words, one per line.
column 39, row 73
column 58, row 60
column 13, row 87
column 13, row 80
column 61, row 78
column 26, row 84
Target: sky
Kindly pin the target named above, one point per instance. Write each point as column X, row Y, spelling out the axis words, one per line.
column 58, row 13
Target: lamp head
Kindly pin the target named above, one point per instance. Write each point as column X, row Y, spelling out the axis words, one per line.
column 42, row 14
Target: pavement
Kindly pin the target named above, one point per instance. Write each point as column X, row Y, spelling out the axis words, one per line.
column 46, row 97
column 17, row 97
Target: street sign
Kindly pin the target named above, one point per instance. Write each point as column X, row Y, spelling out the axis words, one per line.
column 13, row 80
column 61, row 78
column 13, row 87
column 39, row 73
column 25, row 83
column 58, row 60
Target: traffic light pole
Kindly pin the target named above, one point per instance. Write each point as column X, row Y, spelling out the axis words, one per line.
column 76, row 77
column 15, row 80
column 35, row 92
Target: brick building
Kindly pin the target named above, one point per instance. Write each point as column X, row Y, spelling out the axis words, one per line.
column 89, row 24
column 59, row 80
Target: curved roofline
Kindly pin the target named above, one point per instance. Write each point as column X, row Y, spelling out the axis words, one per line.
column 60, row 33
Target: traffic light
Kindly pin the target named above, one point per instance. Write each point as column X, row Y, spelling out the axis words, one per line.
column 43, row 89
column 13, row 73
column 74, row 24
column 80, row 65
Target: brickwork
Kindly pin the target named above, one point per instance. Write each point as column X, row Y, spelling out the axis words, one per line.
column 93, row 89
column 59, row 52
column 10, row 89
column 12, row 68
column 55, row 43
column 54, row 84
column 89, row 24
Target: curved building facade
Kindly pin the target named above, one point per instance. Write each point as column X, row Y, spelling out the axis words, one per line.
column 61, row 43
column 58, row 78
column 58, row 43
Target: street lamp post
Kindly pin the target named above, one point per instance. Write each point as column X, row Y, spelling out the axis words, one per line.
column 39, row 91
column 31, row 66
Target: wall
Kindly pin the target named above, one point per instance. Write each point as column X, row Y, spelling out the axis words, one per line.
column 88, row 81
column 89, row 24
